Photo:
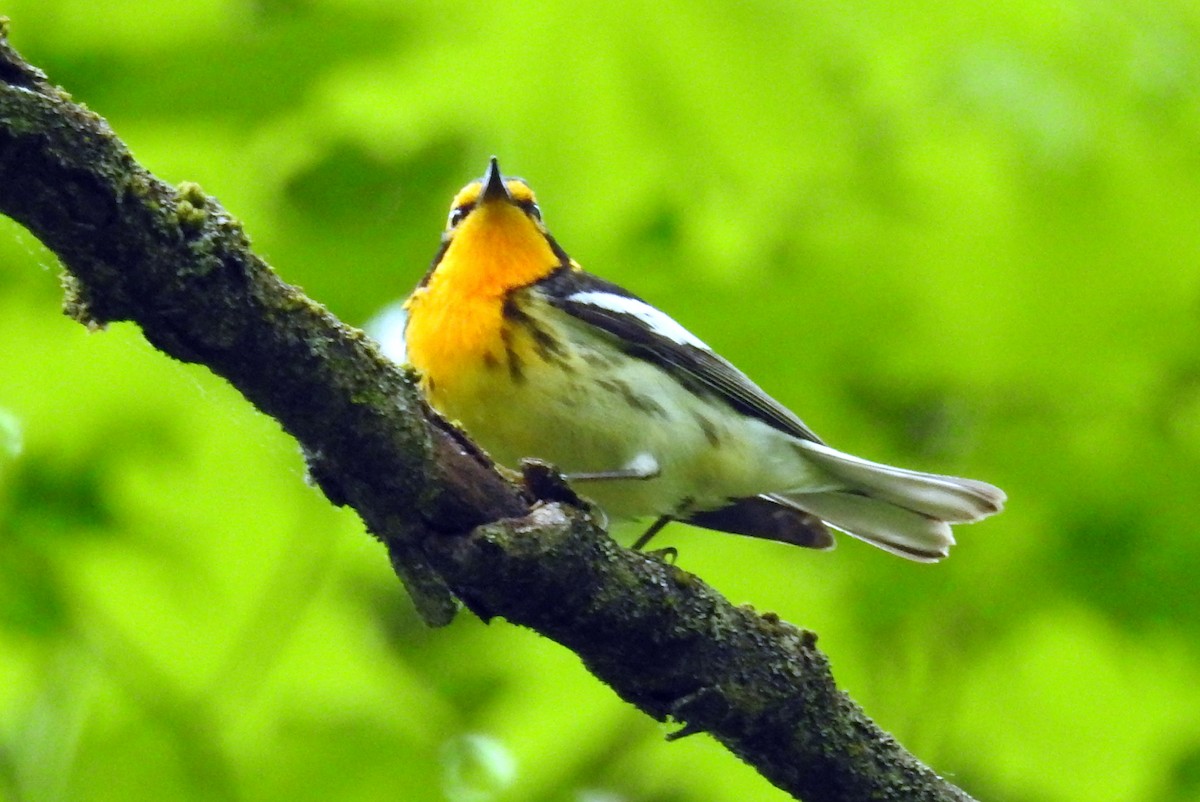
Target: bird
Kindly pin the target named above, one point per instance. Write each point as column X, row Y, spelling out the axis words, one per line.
column 536, row 358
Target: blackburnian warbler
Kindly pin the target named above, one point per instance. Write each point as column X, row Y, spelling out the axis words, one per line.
column 536, row 358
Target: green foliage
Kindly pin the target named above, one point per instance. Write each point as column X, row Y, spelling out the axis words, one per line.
column 956, row 238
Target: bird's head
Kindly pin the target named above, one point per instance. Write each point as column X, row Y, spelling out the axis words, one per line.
column 495, row 239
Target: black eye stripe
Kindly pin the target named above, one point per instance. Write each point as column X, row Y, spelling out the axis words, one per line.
column 531, row 209
column 458, row 213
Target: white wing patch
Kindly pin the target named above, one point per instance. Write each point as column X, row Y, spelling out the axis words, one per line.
column 657, row 322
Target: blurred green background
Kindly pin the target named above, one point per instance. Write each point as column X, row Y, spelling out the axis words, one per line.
column 955, row 238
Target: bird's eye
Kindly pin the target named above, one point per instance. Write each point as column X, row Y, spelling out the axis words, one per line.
column 535, row 211
column 456, row 216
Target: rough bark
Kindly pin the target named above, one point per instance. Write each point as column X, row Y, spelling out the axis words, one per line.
column 173, row 261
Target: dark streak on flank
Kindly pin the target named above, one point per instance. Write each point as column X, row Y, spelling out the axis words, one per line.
column 575, row 391
column 516, row 370
column 547, row 347
column 683, row 508
column 709, row 429
column 640, row 402
column 512, row 312
column 490, row 361
column 595, row 359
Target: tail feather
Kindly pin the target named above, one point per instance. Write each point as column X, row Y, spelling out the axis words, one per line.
column 880, row 523
column 946, row 498
column 907, row 513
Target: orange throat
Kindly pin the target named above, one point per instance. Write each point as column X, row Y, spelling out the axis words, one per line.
column 456, row 321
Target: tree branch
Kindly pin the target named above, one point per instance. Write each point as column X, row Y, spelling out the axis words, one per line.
column 176, row 263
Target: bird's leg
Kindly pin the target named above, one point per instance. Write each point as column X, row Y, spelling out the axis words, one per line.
column 643, row 466
column 654, row 529
column 545, row 481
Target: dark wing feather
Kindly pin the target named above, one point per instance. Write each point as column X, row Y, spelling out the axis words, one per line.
column 763, row 517
column 700, row 368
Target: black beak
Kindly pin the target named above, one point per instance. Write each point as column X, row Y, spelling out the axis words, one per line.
column 493, row 184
